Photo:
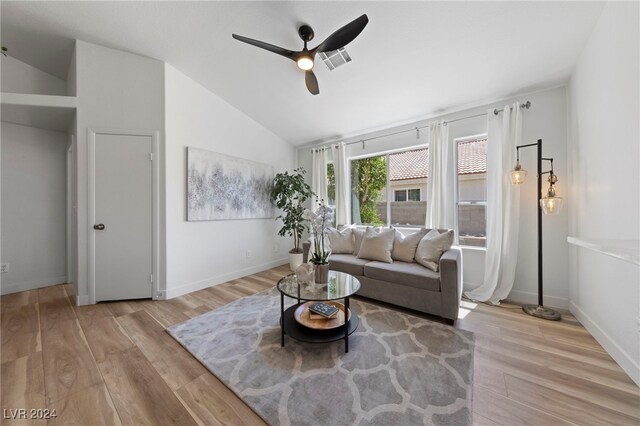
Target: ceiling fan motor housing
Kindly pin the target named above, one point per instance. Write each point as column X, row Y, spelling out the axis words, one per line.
column 306, row 33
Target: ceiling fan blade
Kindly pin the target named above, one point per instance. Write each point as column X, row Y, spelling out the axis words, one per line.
column 343, row 36
column 311, row 82
column 270, row 47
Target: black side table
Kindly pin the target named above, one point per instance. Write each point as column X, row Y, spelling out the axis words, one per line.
column 340, row 286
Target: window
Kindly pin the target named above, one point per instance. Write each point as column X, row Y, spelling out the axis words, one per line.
column 472, row 191
column 331, row 189
column 331, row 184
column 406, row 194
column 368, row 190
column 388, row 189
column 408, row 180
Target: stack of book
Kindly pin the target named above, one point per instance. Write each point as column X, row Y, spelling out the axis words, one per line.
column 320, row 310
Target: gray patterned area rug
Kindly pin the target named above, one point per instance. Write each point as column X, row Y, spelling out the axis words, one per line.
column 400, row 369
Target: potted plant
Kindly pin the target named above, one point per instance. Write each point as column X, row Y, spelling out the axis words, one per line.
column 289, row 193
column 320, row 220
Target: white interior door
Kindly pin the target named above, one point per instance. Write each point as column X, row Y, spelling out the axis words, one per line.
column 123, row 226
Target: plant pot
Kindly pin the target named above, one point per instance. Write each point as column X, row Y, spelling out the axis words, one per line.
column 295, row 260
column 321, row 271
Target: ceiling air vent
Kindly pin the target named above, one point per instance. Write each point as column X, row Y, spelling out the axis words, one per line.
column 335, row 58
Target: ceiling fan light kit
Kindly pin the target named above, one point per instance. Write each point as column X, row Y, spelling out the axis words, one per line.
column 304, row 62
column 304, row 59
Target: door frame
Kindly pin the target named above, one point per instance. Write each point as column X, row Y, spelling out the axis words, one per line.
column 155, row 202
column 71, row 213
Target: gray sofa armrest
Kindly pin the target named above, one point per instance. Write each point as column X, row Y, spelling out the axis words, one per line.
column 305, row 251
column 451, row 282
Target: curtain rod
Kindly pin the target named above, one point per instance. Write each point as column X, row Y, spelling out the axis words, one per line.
column 496, row 111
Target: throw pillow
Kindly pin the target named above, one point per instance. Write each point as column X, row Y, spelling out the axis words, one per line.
column 432, row 247
column 341, row 241
column 404, row 247
column 358, row 235
column 377, row 245
column 432, row 233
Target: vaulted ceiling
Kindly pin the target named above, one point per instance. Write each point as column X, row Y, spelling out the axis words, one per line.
column 413, row 60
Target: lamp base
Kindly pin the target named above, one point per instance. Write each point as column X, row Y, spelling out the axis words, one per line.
column 542, row 312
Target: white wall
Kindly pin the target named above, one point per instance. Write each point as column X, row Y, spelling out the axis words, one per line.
column 33, row 207
column 546, row 120
column 19, row 77
column 200, row 254
column 115, row 90
column 71, row 74
column 604, row 177
column 120, row 90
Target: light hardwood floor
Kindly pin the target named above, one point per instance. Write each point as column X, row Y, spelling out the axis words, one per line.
column 112, row 363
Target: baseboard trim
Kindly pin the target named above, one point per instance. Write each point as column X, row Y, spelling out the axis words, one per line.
column 624, row 360
column 519, row 296
column 30, row 285
column 82, row 300
column 170, row 293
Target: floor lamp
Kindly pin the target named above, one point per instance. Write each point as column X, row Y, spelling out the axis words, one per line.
column 548, row 205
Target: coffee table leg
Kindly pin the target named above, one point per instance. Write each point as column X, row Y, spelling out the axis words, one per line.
column 346, row 325
column 282, row 320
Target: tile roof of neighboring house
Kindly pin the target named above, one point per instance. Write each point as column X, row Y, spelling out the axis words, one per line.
column 409, row 164
column 472, row 158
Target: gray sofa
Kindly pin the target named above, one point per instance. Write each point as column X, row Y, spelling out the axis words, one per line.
column 409, row 285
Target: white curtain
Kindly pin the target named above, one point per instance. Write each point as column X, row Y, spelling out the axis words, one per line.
column 342, row 184
column 319, row 175
column 441, row 178
column 503, row 206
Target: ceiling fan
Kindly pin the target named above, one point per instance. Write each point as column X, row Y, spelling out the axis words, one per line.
column 304, row 58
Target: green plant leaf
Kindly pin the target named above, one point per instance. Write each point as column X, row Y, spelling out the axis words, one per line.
column 289, row 193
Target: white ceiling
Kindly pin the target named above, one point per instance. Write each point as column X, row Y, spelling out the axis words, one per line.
column 413, row 60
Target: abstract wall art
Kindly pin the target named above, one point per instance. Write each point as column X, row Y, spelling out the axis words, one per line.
column 220, row 187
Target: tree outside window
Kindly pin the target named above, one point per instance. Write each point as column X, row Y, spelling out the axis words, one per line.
column 368, row 182
column 331, row 184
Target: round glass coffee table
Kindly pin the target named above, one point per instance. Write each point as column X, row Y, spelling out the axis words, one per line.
column 340, row 286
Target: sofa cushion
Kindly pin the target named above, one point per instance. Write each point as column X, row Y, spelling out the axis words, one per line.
column 347, row 263
column 409, row 274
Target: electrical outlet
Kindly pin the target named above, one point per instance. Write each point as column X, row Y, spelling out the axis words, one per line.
column 5, row 268
column 248, row 254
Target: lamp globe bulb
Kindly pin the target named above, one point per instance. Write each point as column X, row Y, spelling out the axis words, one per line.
column 551, row 205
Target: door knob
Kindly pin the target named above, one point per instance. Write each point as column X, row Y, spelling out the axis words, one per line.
column 98, row 227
